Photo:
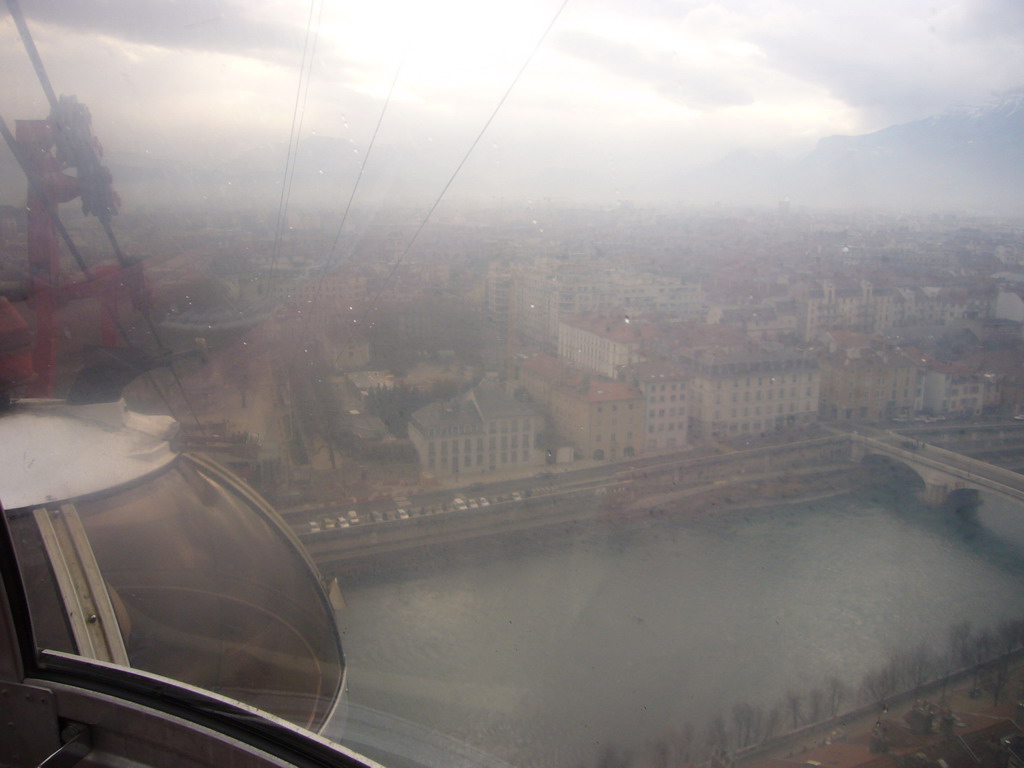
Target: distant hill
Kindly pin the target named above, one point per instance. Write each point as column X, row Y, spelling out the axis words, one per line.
column 969, row 157
column 966, row 159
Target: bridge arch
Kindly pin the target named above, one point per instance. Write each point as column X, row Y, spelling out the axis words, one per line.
column 889, row 478
column 944, row 473
column 964, row 502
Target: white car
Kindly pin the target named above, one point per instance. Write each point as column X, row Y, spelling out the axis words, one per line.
column 402, row 514
column 484, row 502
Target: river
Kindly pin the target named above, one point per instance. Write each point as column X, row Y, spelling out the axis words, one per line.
column 546, row 651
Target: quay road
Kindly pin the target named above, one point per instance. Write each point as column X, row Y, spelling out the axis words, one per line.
column 996, row 441
column 554, row 496
column 554, row 482
column 550, row 498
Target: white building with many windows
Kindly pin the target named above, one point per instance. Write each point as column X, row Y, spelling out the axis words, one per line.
column 603, row 344
column 485, row 431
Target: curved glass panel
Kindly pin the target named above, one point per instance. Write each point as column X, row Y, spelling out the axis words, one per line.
column 208, row 590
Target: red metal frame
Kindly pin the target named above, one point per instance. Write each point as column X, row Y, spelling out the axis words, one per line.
column 108, row 283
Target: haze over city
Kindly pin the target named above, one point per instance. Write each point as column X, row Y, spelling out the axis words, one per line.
column 613, row 104
column 659, row 401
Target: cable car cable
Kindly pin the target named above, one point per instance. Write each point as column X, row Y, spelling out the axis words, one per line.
column 469, row 152
column 305, row 71
column 348, row 206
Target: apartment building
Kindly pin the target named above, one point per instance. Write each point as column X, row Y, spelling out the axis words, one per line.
column 602, row 418
column 549, row 290
column 602, row 344
column 752, row 391
column 955, row 390
column 868, row 382
column 851, row 305
column 666, row 405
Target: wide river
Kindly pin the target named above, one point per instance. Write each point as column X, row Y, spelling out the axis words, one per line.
column 547, row 650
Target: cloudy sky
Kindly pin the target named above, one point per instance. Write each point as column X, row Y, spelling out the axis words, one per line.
column 616, row 90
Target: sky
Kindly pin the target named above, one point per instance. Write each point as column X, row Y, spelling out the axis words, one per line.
column 612, row 92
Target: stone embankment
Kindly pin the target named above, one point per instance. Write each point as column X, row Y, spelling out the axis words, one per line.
column 377, row 545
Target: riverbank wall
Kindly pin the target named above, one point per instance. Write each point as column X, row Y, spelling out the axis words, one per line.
column 376, row 547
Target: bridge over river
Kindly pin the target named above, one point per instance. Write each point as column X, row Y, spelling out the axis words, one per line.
column 943, row 471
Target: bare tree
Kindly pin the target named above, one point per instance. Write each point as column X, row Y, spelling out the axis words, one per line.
column 816, row 705
column 1010, row 634
column 683, row 739
column 880, row 684
column 835, row 690
column 959, row 643
column 715, row 735
column 741, row 722
column 984, row 647
column 747, row 718
column 661, row 753
column 999, row 675
column 772, row 723
column 794, row 703
column 980, row 649
column 614, row 756
column 914, row 666
column 757, row 725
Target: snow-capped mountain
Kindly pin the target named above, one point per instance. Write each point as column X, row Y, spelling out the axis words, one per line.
column 967, row 157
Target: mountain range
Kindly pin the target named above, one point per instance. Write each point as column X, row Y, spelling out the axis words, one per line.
column 966, row 159
column 969, row 158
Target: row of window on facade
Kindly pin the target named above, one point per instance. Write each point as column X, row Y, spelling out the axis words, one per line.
column 663, row 427
column 661, row 398
column 505, row 457
column 673, row 386
column 769, row 395
column 507, row 442
column 758, row 426
column 471, row 429
column 662, row 413
column 780, row 379
column 734, row 412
